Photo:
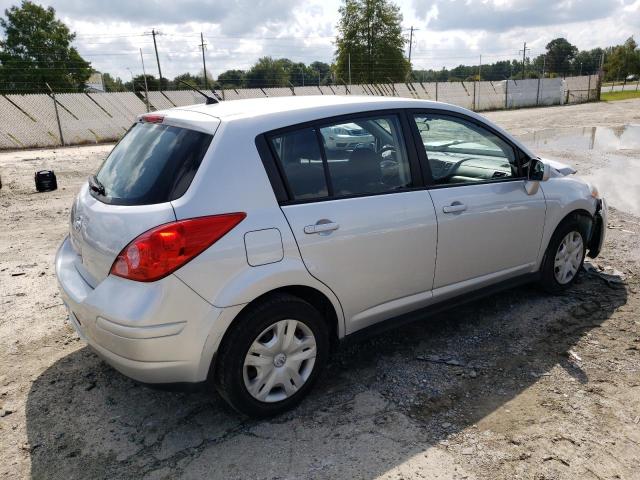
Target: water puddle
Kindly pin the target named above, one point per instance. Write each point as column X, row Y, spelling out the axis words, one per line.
column 619, row 181
column 624, row 137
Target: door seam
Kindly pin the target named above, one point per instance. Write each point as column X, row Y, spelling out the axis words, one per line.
column 344, row 318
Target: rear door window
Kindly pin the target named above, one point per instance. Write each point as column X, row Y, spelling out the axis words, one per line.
column 153, row 163
column 300, row 157
column 359, row 156
column 366, row 155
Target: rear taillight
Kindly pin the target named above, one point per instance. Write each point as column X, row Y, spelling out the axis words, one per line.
column 163, row 249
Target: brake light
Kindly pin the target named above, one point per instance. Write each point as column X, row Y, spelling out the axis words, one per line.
column 163, row 249
column 152, row 118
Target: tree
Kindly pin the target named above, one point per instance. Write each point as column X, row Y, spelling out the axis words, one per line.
column 370, row 41
column 500, row 70
column 301, row 75
column 37, row 49
column 269, row 72
column 187, row 78
column 623, row 60
column 560, row 53
column 153, row 83
column 231, row 79
column 320, row 70
column 112, row 84
column 587, row 61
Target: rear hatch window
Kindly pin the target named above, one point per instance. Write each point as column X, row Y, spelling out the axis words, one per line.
column 153, row 163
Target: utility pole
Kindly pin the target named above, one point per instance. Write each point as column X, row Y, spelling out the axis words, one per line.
column 479, row 80
column 146, row 88
column 524, row 54
column 153, row 33
column 544, row 64
column 204, row 63
column 580, row 69
column 411, row 40
column 349, row 55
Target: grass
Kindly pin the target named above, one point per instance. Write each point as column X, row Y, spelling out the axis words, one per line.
column 613, row 96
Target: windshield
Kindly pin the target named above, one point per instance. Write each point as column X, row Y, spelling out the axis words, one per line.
column 153, row 163
column 442, row 134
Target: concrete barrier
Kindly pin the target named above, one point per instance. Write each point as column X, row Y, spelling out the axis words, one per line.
column 28, row 121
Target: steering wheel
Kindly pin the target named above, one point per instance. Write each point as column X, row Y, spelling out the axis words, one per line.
column 451, row 171
column 387, row 148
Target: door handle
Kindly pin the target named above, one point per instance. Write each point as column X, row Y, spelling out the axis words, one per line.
column 454, row 207
column 321, row 227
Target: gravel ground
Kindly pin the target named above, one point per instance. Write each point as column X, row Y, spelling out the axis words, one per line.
column 518, row 385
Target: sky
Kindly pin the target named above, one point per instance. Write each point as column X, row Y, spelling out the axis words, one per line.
column 111, row 33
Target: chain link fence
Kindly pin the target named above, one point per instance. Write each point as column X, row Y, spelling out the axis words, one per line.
column 41, row 120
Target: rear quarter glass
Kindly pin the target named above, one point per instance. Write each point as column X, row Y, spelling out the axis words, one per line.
column 153, row 163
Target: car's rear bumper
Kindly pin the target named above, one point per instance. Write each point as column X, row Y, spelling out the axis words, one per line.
column 157, row 332
column 599, row 229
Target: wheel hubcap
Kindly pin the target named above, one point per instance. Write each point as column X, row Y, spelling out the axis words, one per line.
column 568, row 258
column 279, row 361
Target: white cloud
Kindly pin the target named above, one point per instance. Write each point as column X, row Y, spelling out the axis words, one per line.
column 238, row 32
column 502, row 15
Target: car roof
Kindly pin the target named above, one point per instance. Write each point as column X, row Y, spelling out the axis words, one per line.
column 254, row 107
column 264, row 114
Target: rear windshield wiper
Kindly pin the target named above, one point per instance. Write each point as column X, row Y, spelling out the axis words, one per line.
column 96, row 186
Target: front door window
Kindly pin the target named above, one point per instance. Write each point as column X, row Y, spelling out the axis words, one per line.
column 460, row 151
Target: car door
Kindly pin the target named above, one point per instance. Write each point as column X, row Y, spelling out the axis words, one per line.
column 489, row 228
column 363, row 226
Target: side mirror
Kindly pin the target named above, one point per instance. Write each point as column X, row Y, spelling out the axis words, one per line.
column 539, row 171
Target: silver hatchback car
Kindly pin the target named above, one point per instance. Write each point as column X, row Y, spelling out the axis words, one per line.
column 237, row 242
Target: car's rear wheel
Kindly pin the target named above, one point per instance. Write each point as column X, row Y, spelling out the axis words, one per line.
column 564, row 257
column 271, row 356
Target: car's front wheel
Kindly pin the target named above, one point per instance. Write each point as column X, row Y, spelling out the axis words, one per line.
column 564, row 257
column 271, row 356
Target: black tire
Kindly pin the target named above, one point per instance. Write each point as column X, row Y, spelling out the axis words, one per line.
column 228, row 372
column 548, row 279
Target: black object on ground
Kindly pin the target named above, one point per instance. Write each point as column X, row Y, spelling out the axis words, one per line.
column 46, row 181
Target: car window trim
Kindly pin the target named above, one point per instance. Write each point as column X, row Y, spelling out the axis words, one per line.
column 281, row 185
column 424, row 158
column 350, row 196
column 278, row 180
column 328, row 180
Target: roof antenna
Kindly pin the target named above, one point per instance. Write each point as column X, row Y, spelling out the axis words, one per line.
column 209, row 100
column 216, row 95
